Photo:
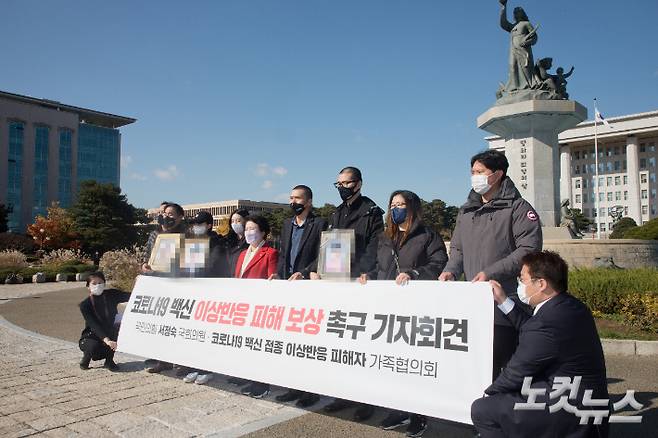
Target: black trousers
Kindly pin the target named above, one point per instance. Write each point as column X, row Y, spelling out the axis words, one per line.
column 95, row 349
column 505, row 340
column 495, row 417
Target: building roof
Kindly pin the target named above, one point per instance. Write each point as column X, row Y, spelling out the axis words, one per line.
column 86, row 115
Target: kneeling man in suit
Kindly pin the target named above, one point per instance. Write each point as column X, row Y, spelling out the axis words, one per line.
column 559, row 341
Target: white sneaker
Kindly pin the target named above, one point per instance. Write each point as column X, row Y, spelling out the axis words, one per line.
column 202, row 379
column 191, row 377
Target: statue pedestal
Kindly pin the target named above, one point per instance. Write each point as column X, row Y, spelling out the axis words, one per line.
column 530, row 129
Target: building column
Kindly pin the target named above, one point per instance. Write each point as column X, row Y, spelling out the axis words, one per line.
column 565, row 174
column 633, row 172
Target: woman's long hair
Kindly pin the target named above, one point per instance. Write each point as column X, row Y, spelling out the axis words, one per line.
column 414, row 214
column 232, row 237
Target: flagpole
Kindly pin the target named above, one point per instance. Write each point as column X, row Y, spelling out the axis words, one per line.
column 596, row 175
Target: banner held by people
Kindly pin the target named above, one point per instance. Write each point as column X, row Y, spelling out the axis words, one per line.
column 425, row 347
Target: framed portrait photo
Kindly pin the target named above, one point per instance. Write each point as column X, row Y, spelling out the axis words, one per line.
column 166, row 252
column 195, row 255
column 336, row 252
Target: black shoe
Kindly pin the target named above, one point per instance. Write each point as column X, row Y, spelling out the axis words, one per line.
column 159, row 367
column 111, row 365
column 417, row 427
column 337, row 405
column 307, row 400
column 394, row 420
column 364, row 412
column 237, row 381
column 289, row 396
column 257, row 390
column 84, row 362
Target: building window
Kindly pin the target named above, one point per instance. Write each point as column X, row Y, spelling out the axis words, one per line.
column 65, row 167
column 652, row 147
column 625, row 195
column 602, row 211
column 577, row 170
column 584, row 155
column 40, row 192
column 584, row 183
column 625, row 179
column 578, row 200
column 643, row 147
column 584, row 197
column 602, row 226
column 653, row 193
column 578, row 183
column 643, row 163
column 626, row 210
column 617, row 180
column 652, row 162
column 643, row 178
column 617, row 196
column 617, row 166
column 98, row 154
column 15, row 176
column 608, row 166
column 608, row 152
column 601, row 194
column 591, row 168
column 624, row 165
column 643, row 194
column 608, row 181
column 609, row 196
column 616, row 150
column 645, row 209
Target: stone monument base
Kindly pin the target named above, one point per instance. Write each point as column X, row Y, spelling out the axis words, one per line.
column 556, row 233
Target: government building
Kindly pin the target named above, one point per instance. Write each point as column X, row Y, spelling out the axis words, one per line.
column 47, row 148
column 626, row 163
column 221, row 210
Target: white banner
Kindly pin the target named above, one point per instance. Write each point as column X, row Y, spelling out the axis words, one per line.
column 425, row 347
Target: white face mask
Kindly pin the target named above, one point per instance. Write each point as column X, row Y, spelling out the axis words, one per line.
column 252, row 236
column 199, row 230
column 97, row 289
column 480, row 184
column 238, row 228
column 522, row 292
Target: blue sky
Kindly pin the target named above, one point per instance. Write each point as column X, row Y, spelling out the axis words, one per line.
column 244, row 99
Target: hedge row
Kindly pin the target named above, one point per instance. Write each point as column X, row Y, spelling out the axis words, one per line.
column 631, row 293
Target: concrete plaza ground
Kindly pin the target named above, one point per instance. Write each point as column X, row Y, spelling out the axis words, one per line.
column 43, row 391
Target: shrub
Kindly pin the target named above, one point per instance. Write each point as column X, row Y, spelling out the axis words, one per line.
column 19, row 242
column 59, row 258
column 12, row 259
column 648, row 231
column 641, row 311
column 121, row 267
column 631, row 293
column 621, row 227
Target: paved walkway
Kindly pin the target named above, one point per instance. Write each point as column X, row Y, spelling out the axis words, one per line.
column 43, row 391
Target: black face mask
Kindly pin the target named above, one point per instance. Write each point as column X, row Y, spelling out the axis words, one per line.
column 169, row 222
column 297, row 208
column 345, row 193
column 160, row 219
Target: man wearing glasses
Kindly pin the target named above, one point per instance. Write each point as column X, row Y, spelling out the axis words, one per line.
column 361, row 214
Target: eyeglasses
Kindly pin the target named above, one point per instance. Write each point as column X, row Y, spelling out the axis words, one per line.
column 343, row 183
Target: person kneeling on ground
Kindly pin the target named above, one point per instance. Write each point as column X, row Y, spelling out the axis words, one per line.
column 98, row 339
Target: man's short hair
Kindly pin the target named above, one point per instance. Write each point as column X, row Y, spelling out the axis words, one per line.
column 492, row 160
column 308, row 193
column 177, row 208
column 356, row 173
column 549, row 266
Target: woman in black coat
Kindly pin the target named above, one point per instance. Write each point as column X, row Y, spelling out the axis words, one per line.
column 98, row 339
column 407, row 250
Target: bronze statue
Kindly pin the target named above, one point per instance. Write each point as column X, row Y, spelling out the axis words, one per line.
column 568, row 220
column 523, row 37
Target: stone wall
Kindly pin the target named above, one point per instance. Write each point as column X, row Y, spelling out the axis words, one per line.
column 626, row 253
